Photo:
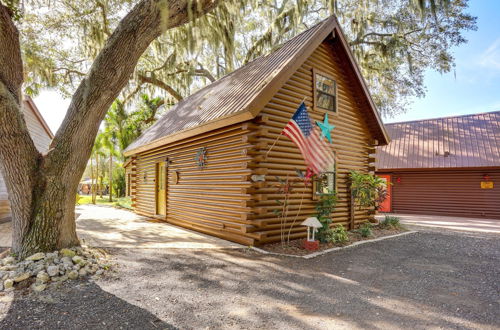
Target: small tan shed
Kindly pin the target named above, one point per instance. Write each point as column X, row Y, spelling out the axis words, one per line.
column 206, row 163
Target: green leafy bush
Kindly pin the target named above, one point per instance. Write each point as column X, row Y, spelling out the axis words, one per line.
column 324, row 209
column 366, row 230
column 391, row 222
column 367, row 190
column 337, row 234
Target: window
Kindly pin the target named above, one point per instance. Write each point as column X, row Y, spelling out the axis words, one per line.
column 326, row 182
column 325, row 92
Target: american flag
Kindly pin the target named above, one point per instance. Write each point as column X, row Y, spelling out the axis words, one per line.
column 314, row 149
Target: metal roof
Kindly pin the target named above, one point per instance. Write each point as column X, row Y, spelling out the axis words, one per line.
column 242, row 91
column 449, row 142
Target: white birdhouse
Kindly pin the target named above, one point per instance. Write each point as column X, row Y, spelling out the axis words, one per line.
column 312, row 224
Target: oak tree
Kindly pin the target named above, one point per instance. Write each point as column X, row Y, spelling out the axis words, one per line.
column 42, row 187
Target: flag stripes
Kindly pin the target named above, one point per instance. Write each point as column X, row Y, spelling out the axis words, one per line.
column 314, row 149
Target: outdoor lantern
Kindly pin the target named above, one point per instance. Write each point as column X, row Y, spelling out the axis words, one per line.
column 312, row 224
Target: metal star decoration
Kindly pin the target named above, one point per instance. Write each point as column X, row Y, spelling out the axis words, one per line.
column 326, row 128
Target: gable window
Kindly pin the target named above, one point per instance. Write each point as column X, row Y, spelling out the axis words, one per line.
column 326, row 182
column 325, row 92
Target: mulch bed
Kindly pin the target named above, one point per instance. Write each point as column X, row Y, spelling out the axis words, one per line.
column 295, row 246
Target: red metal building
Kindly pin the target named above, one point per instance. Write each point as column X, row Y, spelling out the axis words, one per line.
column 443, row 166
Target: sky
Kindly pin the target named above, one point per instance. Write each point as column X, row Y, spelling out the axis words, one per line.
column 473, row 87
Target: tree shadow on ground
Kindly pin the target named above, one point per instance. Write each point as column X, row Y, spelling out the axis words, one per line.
column 74, row 305
column 419, row 281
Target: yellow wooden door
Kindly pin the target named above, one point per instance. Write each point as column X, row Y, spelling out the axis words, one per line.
column 161, row 189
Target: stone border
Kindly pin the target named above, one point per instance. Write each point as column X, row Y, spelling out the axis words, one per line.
column 319, row 253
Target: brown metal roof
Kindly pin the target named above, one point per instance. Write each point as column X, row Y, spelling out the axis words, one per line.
column 240, row 95
column 450, row 142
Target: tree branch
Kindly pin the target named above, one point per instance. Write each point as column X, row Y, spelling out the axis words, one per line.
column 19, row 159
column 111, row 71
column 11, row 67
column 158, row 83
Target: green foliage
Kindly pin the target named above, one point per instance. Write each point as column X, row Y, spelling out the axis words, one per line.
column 366, row 229
column 119, row 183
column 366, row 188
column 394, row 41
column 391, row 222
column 337, row 235
column 324, row 208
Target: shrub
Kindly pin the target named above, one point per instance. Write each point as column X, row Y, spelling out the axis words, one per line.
column 324, row 209
column 337, row 234
column 391, row 222
column 366, row 229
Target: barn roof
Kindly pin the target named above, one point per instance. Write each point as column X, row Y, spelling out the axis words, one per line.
column 450, row 142
column 240, row 95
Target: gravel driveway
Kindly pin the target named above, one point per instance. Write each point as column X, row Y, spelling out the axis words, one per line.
column 425, row 280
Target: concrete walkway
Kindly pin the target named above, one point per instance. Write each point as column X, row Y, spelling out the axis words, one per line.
column 453, row 223
column 103, row 226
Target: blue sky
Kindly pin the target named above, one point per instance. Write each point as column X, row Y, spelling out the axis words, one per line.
column 473, row 87
column 476, row 87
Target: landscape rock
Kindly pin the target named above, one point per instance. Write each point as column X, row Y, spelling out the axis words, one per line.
column 9, row 267
column 78, row 260
column 52, row 270
column 73, row 275
column 68, row 253
column 36, row 256
column 42, row 277
column 8, row 283
column 41, row 269
column 8, row 260
column 39, row 287
column 67, row 261
column 51, row 255
column 22, row 277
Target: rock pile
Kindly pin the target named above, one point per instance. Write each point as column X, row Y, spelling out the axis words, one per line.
column 42, row 269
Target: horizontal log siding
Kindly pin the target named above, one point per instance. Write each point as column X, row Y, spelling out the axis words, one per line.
column 212, row 200
column 446, row 192
column 351, row 138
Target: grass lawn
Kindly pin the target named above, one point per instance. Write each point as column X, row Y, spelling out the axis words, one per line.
column 124, row 202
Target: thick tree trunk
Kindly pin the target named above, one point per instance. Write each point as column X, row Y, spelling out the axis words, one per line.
column 42, row 187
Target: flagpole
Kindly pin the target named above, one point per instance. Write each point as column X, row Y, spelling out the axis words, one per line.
column 279, row 136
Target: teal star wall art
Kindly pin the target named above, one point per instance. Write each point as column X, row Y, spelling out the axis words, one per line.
column 326, row 128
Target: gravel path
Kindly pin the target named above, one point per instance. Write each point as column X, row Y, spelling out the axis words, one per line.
column 425, row 280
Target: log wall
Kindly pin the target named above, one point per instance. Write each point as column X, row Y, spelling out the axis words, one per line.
column 212, row 199
column 352, row 144
column 223, row 200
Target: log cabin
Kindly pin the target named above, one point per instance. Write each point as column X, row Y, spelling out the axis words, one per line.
column 41, row 135
column 443, row 166
column 207, row 163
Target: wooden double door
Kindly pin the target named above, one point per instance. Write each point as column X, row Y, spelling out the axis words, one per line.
column 161, row 189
